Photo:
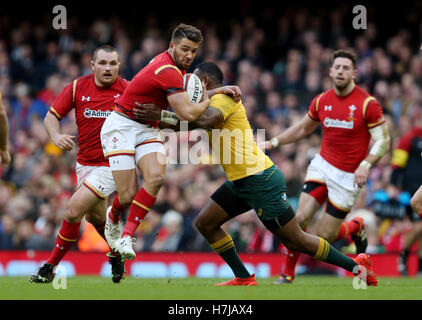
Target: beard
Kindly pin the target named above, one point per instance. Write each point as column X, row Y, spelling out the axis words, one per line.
column 179, row 62
column 341, row 87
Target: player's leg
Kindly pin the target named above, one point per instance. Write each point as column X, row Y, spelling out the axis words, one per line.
column 313, row 195
column 410, row 238
column 96, row 216
column 416, row 202
column 414, row 234
column 291, row 235
column 126, row 181
column 310, row 200
column 342, row 195
column 152, row 164
column 82, row 201
column 209, row 222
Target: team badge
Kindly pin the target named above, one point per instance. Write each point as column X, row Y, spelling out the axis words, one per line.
column 352, row 109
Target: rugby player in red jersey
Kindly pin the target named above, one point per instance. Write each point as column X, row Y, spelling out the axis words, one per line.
column 128, row 143
column 92, row 97
column 349, row 117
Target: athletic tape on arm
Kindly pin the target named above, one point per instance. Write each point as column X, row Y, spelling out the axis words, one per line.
column 382, row 140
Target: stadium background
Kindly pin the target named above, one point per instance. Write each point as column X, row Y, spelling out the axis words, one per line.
column 279, row 56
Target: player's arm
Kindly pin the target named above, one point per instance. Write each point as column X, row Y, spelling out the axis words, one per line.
column 296, row 132
column 232, row 91
column 52, row 126
column 209, row 119
column 380, row 147
column 4, row 136
column 168, row 119
column 186, row 110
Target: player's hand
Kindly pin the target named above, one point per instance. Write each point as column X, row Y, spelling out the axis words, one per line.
column 64, row 141
column 233, row 91
column 4, row 158
column 147, row 112
column 204, row 92
column 361, row 175
column 265, row 145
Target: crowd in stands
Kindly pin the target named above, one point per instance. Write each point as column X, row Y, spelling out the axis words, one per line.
column 280, row 60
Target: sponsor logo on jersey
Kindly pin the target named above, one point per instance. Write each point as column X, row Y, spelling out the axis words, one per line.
column 88, row 113
column 86, row 98
column 328, row 108
column 336, row 123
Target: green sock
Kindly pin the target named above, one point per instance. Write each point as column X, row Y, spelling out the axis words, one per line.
column 331, row 255
column 226, row 249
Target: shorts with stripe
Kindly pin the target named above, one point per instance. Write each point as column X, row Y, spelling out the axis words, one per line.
column 97, row 179
column 339, row 191
column 123, row 136
column 264, row 192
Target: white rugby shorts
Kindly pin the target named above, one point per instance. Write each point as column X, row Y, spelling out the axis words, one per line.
column 341, row 191
column 121, row 136
column 97, row 179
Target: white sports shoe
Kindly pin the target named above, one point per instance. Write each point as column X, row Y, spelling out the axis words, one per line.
column 124, row 246
column 112, row 231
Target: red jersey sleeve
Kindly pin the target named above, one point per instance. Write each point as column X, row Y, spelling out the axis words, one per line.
column 313, row 108
column 64, row 102
column 171, row 79
column 373, row 114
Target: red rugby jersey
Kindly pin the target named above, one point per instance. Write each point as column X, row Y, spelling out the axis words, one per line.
column 92, row 105
column 153, row 84
column 346, row 122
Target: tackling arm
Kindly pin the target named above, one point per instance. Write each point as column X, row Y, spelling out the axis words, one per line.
column 186, row 110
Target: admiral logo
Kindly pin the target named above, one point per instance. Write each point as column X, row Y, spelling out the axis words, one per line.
column 88, row 113
column 336, row 123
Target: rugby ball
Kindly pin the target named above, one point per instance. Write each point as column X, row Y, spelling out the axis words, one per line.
column 193, row 86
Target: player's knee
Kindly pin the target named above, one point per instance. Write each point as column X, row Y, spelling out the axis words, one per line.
column 154, row 183
column 416, row 204
column 303, row 220
column 95, row 219
column 73, row 213
column 329, row 235
column 202, row 226
column 199, row 225
column 126, row 198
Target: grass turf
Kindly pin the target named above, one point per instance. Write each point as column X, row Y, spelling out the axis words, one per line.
column 304, row 288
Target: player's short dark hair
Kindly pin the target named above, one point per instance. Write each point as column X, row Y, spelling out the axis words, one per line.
column 345, row 53
column 211, row 70
column 106, row 48
column 187, row 31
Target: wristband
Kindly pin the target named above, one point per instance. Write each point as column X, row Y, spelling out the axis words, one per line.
column 169, row 117
column 365, row 164
column 274, row 142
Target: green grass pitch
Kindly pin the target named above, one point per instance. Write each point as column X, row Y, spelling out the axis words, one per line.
column 304, row 288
